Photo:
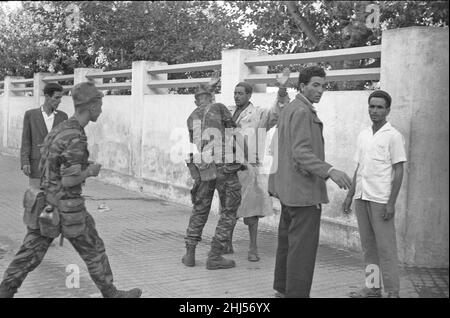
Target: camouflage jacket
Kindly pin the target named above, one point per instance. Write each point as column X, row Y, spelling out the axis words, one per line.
column 64, row 153
column 215, row 116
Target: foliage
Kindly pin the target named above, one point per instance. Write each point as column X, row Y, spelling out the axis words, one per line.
column 282, row 27
column 335, row 24
column 112, row 34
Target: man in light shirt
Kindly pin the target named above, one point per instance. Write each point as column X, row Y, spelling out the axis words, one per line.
column 37, row 123
column 376, row 183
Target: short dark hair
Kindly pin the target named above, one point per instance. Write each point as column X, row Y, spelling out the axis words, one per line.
column 309, row 72
column 51, row 88
column 247, row 86
column 381, row 94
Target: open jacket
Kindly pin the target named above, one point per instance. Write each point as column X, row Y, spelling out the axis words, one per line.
column 249, row 121
column 33, row 134
column 299, row 178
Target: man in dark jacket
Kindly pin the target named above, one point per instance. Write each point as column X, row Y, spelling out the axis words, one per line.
column 299, row 183
column 37, row 123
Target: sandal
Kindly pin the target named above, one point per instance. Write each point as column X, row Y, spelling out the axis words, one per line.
column 253, row 257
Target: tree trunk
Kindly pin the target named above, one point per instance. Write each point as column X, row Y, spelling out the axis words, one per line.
column 301, row 22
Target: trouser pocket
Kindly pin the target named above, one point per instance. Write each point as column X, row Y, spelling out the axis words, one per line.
column 194, row 191
column 73, row 217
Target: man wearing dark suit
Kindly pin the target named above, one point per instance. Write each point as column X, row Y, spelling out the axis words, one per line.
column 299, row 184
column 37, row 123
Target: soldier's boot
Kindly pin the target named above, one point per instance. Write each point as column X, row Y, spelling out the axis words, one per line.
column 5, row 292
column 113, row 292
column 219, row 262
column 189, row 258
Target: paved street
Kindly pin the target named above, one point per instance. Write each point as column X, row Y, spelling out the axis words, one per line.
column 144, row 241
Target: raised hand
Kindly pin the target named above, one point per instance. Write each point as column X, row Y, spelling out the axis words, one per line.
column 284, row 78
column 215, row 78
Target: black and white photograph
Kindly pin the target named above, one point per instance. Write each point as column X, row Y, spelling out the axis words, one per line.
column 224, row 155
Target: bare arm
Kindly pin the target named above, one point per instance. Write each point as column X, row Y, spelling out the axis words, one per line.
column 350, row 194
column 270, row 119
column 351, row 191
column 214, row 81
column 396, row 184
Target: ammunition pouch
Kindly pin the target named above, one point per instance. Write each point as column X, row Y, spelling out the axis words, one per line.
column 202, row 171
column 50, row 228
column 73, row 217
column 233, row 167
column 33, row 203
column 207, row 171
column 194, row 191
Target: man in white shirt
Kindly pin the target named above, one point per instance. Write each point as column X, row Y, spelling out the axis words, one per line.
column 37, row 123
column 376, row 183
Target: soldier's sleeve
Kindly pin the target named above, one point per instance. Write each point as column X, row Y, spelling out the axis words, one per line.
column 190, row 129
column 227, row 118
column 397, row 148
column 72, row 158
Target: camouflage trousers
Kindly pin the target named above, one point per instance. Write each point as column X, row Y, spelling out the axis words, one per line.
column 89, row 246
column 202, row 193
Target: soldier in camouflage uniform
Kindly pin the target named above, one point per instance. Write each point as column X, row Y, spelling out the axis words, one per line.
column 211, row 176
column 64, row 168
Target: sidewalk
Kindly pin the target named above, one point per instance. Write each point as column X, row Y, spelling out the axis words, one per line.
column 144, row 238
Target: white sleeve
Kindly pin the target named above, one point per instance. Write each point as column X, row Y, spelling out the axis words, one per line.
column 397, row 148
column 357, row 155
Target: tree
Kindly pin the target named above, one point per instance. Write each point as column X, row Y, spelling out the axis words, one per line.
column 282, row 27
column 111, row 34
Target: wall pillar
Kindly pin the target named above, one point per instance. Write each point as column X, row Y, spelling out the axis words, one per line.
column 38, row 86
column 139, row 88
column 234, row 71
column 414, row 71
column 5, row 106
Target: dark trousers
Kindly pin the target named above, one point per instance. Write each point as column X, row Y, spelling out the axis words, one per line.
column 89, row 246
column 298, row 239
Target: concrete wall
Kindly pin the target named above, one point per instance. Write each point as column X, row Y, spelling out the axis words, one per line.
column 414, row 70
column 110, row 137
column 164, row 129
